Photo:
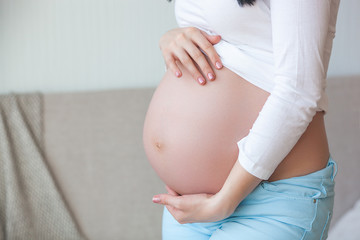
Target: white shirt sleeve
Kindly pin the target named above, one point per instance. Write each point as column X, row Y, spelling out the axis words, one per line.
column 300, row 32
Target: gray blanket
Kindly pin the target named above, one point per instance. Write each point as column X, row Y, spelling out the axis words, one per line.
column 31, row 206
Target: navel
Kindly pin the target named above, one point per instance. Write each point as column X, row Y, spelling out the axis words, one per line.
column 158, row 145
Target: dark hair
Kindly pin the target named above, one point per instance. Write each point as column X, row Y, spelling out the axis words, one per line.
column 242, row 2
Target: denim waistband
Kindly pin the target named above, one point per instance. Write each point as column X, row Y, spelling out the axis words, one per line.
column 316, row 184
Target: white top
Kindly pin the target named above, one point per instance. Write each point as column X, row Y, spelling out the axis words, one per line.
column 281, row 46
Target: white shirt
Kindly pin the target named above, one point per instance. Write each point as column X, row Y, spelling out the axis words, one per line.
column 281, row 46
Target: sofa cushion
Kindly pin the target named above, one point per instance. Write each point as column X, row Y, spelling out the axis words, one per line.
column 94, row 148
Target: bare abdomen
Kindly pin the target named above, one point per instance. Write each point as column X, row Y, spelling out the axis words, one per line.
column 191, row 131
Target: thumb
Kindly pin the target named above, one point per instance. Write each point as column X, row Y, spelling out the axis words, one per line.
column 211, row 38
column 167, row 199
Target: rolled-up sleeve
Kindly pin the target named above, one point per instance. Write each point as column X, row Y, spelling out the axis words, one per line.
column 300, row 32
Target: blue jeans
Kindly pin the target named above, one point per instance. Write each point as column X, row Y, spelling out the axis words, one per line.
column 287, row 209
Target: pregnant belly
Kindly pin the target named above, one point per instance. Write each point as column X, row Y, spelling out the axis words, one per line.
column 191, row 132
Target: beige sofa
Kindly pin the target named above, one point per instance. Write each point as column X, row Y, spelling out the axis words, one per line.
column 94, row 147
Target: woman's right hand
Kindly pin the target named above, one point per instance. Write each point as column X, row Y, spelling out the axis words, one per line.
column 183, row 44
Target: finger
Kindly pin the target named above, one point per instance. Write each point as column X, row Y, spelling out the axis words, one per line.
column 171, row 64
column 200, row 59
column 188, row 63
column 213, row 39
column 178, row 215
column 206, row 44
column 172, row 210
column 170, row 191
column 167, row 199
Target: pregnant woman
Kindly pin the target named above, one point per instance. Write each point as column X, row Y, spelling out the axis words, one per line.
column 242, row 149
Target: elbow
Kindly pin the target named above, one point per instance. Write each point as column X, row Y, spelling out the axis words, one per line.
column 308, row 105
column 312, row 98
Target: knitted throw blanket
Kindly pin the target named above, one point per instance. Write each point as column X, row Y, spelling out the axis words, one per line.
column 31, row 206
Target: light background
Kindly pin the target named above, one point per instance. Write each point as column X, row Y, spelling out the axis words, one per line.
column 78, row 45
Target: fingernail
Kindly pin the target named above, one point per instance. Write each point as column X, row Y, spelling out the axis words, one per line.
column 156, row 199
column 218, row 65
column 201, row 80
column 211, row 76
column 177, row 74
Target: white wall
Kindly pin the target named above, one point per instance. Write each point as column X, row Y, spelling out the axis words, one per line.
column 59, row 45
column 72, row 45
column 345, row 59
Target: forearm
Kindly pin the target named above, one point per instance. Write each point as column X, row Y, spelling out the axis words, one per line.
column 236, row 187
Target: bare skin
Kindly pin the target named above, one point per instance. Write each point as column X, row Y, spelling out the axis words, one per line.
column 180, row 51
column 204, row 172
column 179, row 145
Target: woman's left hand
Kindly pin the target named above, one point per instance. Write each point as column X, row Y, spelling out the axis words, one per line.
column 193, row 207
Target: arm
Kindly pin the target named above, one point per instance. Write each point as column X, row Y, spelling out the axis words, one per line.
column 300, row 36
column 300, row 31
column 300, row 40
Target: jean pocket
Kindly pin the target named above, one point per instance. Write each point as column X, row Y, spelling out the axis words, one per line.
column 325, row 230
column 321, row 222
column 282, row 205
